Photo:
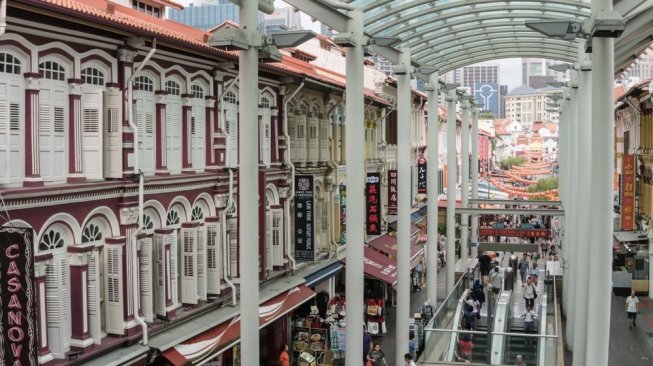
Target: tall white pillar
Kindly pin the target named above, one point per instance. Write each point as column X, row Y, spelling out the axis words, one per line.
column 248, row 187
column 583, row 184
column 432, row 171
column 464, row 181
column 571, row 209
column 403, row 206
column 356, row 175
column 451, row 188
column 474, row 168
column 563, row 159
column 598, row 302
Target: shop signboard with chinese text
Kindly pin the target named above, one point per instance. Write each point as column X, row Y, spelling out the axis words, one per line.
column 421, row 175
column 343, row 214
column 392, row 192
column 18, row 332
column 523, row 233
column 373, row 203
column 304, row 213
column 628, row 193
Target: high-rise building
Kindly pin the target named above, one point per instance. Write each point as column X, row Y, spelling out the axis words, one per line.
column 532, row 67
column 282, row 19
column 525, row 105
column 503, row 91
column 469, row 76
column 206, row 14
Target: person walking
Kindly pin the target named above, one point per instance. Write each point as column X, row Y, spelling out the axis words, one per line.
column 376, row 356
column 496, row 279
column 284, row 357
column 484, row 265
column 529, row 324
column 535, row 273
column 367, row 343
column 519, row 360
column 631, row 308
column 523, row 269
column 530, row 293
column 412, row 345
column 408, row 359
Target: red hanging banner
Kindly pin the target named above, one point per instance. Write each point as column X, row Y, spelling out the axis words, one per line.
column 628, row 193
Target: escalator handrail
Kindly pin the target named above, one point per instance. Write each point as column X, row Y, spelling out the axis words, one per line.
column 541, row 329
column 501, row 323
column 451, row 350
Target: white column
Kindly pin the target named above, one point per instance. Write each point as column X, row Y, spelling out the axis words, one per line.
column 563, row 158
column 464, row 182
column 583, row 183
column 248, row 188
column 474, row 168
column 571, row 209
column 355, row 167
column 432, row 169
column 403, row 207
column 451, row 188
column 598, row 304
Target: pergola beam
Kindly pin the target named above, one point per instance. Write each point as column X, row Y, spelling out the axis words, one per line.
column 482, row 201
column 509, row 211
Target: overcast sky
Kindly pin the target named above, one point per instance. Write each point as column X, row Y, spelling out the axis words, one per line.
column 509, row 69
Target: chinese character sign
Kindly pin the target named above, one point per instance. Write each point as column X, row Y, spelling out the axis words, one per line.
column 18, row 342
column 304, row 211
column 392, row 192
column 421, row 175
column 373, row 203
column 628, row 193
column 343, row 214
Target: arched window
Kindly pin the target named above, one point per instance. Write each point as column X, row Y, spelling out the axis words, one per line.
column 230, row 97
column 91, row 233
column 51, row 240
column 265, row 132
column 148, row 224
column 173, row 218
column 144, row 83
column 197, row 214
column 93, row 76
column 52, row 70
column 197, row 91
column 9, row 64
column 265, row 102
column 173, row 88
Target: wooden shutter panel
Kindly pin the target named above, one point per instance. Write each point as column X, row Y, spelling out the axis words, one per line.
column 92, row 139
column 173, row 269
column 159, row 275
column 93, row 298
column 145, row 272
column 189, row 266
column 201, row 257
column 213, row 258
column 113, row 134
column 268, row 240
column 113, row 290
column 292, row 133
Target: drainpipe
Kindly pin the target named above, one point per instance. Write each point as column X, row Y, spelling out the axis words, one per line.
column 334, row 166
column 3, row 17
column 231, row 206
column 291, row 196
column 141, row 184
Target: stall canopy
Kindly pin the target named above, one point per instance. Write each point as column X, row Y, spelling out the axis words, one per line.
column 212, row 342
column 324, row 273
column 413, row 229
column 387, row 244
column 379, row 266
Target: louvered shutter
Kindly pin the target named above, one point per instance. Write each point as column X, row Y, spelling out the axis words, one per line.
column 268, row 240
column 265, row 131
column 56, row 298
column 277, row 242
column 231, row 112
column 145, row 272
column 213, row 258
column 313, row 144
column 301, row 139
column 113, row 289
column 233, row 247
column 113, row 134
column 292, row 133
column 159, row 275
column 172, row 268
column 201, row 257
column 198, row 135
column 189, row 266
column 92, row 134
column 324, row 140
column 173, row 134
column 11, row 141
column 94, row 314
column 144, row 113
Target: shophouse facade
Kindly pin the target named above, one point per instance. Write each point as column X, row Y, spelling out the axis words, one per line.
column 72, row 153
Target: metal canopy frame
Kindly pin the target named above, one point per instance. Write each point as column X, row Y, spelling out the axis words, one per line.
column 448, row 34
column 514, row 202
column 509, row 211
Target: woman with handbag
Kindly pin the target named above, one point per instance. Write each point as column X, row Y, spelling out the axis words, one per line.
column 376, row 357
column 530, row 293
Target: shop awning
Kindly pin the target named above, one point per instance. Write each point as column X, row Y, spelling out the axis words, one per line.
column 379, row 266
column 413, row 229
column 387, row 244
column 322, row 274
column 225, row 335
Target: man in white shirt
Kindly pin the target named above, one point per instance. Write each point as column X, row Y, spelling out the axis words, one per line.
column 496, row 279
column 408, row 359
column 529, row 324
column 631, row 309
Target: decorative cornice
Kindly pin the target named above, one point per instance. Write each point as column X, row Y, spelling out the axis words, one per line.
column 129, row 215
column 125, row 55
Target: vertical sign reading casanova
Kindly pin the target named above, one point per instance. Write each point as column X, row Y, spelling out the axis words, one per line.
column 18, row 343
column 304, row 211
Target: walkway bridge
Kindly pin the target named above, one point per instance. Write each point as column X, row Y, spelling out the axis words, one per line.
column 499, row 336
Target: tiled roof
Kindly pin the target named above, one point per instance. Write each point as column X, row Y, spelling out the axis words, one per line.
column 500, row 126
column 171, row 4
